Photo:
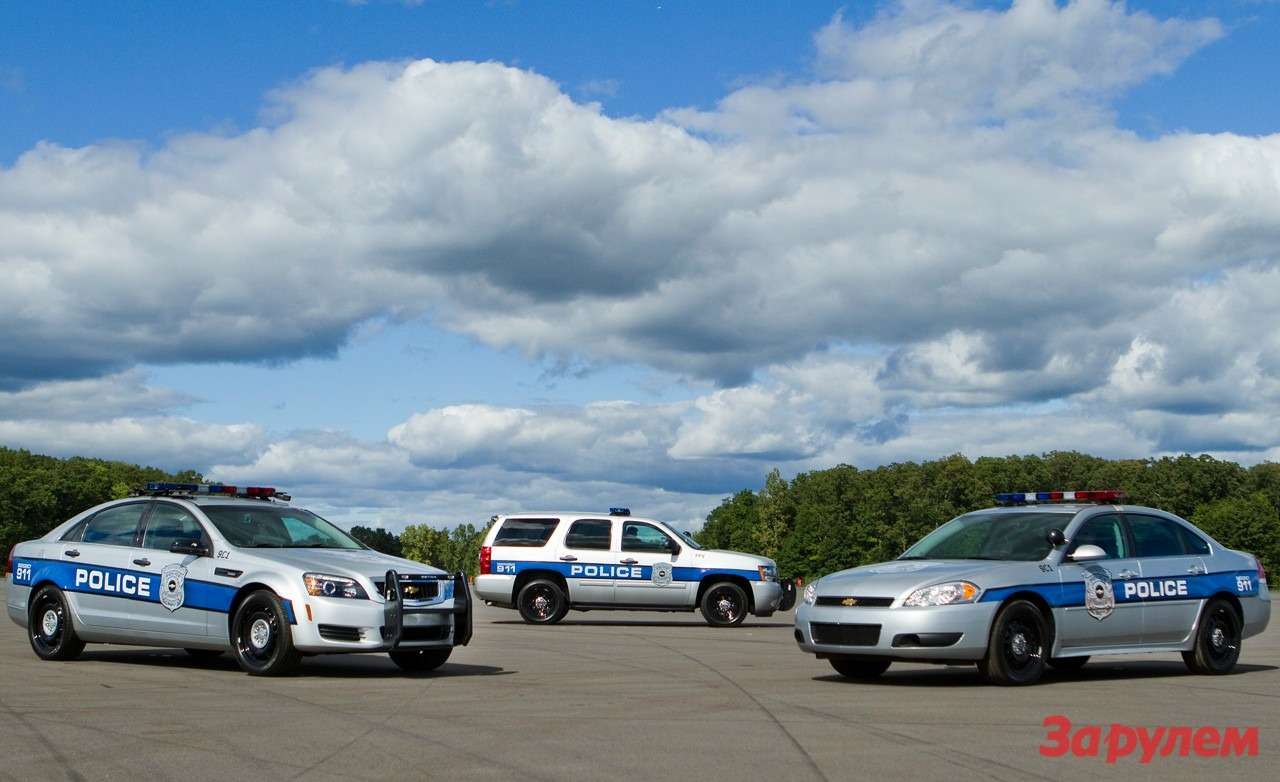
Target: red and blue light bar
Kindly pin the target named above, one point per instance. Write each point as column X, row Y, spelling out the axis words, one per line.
column 257, row 492
column 1028, row 497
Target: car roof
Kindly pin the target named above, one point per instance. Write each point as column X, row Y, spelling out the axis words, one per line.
column 566, row 514
column 1072, row 507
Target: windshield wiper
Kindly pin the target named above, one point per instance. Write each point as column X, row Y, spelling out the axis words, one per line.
column 913, row 556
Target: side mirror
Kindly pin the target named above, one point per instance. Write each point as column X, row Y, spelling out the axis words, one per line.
column 675, row 549
column 1056, row 538
column 190, row 547
column 1087, row 553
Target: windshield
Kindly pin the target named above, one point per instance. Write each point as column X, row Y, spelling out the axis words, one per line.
column 274, row 526
column 687, row 539
column 984, row 535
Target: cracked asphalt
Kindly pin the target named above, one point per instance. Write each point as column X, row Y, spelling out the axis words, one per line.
column 601, row 696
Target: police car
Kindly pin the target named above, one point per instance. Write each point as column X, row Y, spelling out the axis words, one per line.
column 211, row 569
column 1049, row 578
column 545, row 564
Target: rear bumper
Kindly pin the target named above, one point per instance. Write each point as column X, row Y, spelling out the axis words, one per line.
column 1257, row 612
column 493, row 588
column 956, row 633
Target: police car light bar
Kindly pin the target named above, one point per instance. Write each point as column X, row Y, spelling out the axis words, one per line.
column 619, row 511
column 257, row 492
column 1025, row 498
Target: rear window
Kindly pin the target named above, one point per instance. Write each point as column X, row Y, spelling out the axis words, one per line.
column 525, row 532
column 1155, row 537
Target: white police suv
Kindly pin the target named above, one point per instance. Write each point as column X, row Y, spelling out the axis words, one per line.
column 1050, row 578
column 545, row 564
column 211, row 569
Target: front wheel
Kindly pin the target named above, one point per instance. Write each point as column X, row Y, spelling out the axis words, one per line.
column 49, row 626
column 853, row 668
column 1217, row 647
column 542, row 602
column 1016, row 650
column 420, row 659
column 724, row 604
column 260, row 636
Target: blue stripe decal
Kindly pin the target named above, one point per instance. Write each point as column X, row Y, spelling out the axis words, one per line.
column 1242, row 583
column 603, row 570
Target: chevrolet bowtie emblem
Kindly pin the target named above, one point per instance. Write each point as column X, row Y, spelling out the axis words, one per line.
column 849, row 601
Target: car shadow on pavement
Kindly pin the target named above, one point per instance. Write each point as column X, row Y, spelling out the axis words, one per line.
column 640, row 623
column 968, row 676
column 372, row 665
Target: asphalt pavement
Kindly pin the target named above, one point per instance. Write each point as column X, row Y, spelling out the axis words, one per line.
column 602, row 696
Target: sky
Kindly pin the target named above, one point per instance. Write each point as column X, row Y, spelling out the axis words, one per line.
column 428, row 262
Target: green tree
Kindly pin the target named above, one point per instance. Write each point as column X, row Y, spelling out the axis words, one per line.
column 1248, row 523
column 377, row 539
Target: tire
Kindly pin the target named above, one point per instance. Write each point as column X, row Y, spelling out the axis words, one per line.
column 1068, row 663
column 49, row 626
column 853, row 668
column 1217, row 645
column 203, row 654
column 1016, row 651
column 420, row 660
column 261, row 640
column 724, row 604
column 542, row 602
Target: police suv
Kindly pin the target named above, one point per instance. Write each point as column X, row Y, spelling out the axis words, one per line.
column 210, row 569
column 1049, row 579
column 545, row 564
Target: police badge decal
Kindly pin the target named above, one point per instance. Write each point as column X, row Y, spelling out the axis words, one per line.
column 1099, row 597
column 172, row 579
column 662, row 573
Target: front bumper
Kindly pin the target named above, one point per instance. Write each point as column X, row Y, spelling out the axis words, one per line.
column 766, row 597
column 330, row 625
column 948, row 633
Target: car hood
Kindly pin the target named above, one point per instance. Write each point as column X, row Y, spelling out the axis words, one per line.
column 720, row 558
column 344, row 562
column 891, row 579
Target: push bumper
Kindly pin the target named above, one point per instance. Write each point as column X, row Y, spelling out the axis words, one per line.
column 947, row 633
column 395, row 610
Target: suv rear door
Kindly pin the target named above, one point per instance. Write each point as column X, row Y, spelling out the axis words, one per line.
column 586, row 549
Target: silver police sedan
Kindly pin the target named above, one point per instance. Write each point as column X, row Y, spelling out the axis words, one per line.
column 212, row 569
column 1049, row 579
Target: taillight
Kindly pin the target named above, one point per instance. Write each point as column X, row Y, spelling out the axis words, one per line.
column 486, row 560
column 1262, row 571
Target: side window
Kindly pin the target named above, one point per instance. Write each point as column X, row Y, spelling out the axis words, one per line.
column 1155, row 537
column 525, row 532
column 75, row 532
column 589, row 534
column 114, row 526
column 1191, row 542
column 644, row 537
column 1104, row 532
column 169, row 524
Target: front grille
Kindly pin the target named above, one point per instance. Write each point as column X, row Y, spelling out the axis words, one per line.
column 414, row 587
column 339, row 633
column 859, row 602
column 844, row 635
column 430, row 633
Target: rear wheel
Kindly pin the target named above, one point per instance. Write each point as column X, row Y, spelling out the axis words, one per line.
column 260, row 636
column 1217, row 647
column 49, row 626
column 542, row 602
column 724, row 604
column 853, row 668
column 1068, row 663
column 1016, row 650
column 420, row 659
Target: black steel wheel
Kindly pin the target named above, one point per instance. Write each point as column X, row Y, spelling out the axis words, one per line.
column 542, row 602
column 854, row 668
column 49, row 626
column 1016, row 651
column 1217, row 646
column 260, row 636
column 724, row 604
column 420, row 659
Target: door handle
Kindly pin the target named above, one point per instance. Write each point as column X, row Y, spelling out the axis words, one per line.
column 71, row 552
column 569, row 558
column 1128, row 574
column 144, row 562
column 630, row 561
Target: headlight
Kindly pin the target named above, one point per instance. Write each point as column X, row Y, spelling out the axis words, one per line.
column 768, row 572
column 321, row 585
column 946, row 594
column 810, row 594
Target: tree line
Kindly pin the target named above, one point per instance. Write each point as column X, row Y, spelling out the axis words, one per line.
column 828, row 520
column 813, row 524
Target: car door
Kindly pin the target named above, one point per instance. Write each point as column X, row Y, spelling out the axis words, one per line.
column 182, row 606
column 1102, row 618
column 104, row 589
column 1170, row 569
column 587, row 553
column 645, row 576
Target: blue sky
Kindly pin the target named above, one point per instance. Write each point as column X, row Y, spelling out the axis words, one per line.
column 497, row 337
